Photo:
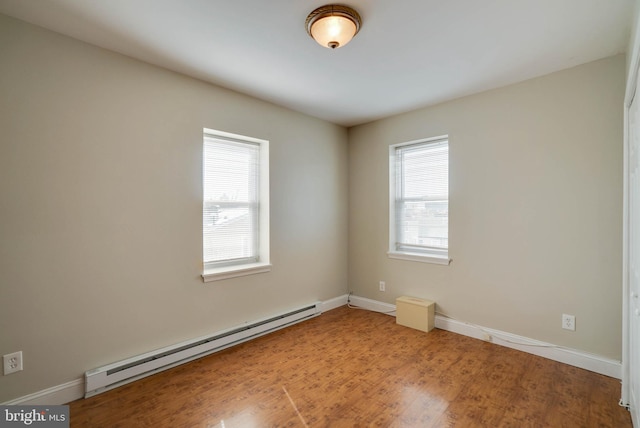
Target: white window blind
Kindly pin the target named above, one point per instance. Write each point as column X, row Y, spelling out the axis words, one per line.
column 420, row 198
column 231, row 205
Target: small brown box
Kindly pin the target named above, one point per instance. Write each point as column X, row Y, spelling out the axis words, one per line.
column 415, row 313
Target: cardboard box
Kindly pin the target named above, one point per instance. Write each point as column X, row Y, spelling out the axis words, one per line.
column 416, row 313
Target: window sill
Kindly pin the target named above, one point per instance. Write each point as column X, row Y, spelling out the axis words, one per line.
column 415, row 257
column 234, row 271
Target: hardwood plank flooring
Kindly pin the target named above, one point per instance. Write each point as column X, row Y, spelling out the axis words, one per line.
column 355, row 368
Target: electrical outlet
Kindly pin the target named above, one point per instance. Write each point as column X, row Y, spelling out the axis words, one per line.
column 382, row 286
column 569, row 322
column 12, row 362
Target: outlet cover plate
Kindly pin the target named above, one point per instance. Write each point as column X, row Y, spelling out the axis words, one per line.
column 12, row 362
column 569, row 322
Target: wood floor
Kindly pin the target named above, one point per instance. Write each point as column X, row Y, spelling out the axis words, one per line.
column 354, row 368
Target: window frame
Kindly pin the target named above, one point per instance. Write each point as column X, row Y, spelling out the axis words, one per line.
column 242, row 267
column 435, row 256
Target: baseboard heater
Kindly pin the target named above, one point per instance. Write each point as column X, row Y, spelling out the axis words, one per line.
column 113, row 375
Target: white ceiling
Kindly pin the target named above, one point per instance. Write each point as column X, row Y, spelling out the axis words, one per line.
column 408, row 54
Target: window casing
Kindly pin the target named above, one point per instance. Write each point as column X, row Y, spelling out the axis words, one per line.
column 419, row 200
column 235, row 225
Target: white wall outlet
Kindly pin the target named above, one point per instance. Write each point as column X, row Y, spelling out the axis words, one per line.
column 569, row 322
column 383, row 286
column 12, row 362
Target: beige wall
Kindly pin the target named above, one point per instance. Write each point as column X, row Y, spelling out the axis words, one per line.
column 100, row 212
column 535, row 208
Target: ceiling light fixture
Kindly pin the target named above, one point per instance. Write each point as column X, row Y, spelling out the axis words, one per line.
column 333, row 26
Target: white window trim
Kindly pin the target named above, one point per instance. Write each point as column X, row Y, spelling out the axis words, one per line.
column 393, row 253
column 415, row 257
column 263, row 265
column 219, row 274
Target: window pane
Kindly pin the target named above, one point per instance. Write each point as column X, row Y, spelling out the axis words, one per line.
column 228, row 232
column 230, row 211
column 424, row 224
column 421, row 214
column 425, row 173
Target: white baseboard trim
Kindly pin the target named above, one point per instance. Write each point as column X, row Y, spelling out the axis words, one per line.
column 56, row 395
column 334, row 303
column 373, row 305
column 572, row 357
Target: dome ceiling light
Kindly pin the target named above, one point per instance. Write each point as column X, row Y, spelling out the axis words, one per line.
column 333, row 26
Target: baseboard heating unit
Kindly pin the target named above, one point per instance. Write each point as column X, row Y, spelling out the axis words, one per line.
column 113, row 375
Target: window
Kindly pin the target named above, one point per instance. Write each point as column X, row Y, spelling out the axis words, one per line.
column 419, row 200
column 235, row 214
